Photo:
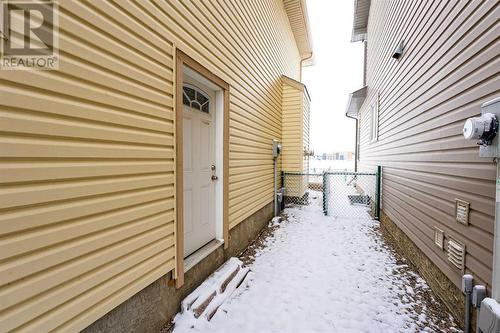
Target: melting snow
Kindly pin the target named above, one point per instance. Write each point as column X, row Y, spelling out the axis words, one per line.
column 319, row 274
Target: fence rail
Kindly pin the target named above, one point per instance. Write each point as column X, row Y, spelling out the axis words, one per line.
column 345, row 194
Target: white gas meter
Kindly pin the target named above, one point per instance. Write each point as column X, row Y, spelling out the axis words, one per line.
column 484, row 129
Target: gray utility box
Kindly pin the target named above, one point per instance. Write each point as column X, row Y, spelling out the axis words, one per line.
column 489, row 316
column 492, row 150
column 276, row 148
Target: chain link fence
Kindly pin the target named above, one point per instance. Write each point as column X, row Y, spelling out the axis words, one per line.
column 350, row 195
column 341, row 194
column 302, row 189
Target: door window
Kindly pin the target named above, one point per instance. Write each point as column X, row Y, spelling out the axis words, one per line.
column 195, row 98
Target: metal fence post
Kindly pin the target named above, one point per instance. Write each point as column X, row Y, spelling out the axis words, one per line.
column 377, row 193
column 325, row 194
column 284, row 192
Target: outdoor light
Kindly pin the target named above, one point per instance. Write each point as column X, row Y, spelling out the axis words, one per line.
column 398, row 52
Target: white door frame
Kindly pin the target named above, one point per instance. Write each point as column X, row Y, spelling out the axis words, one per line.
column 184, row 63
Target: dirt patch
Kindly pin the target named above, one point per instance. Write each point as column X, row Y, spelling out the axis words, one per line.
column 248, row 255
column 168, row 327
column 434, row 315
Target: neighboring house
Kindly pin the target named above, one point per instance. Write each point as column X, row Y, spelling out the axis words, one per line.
column 410, row 115
column 337, row 156
column 137, row 168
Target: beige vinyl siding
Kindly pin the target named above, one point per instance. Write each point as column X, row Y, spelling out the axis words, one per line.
column 87, row 170
column 295, row 136
column 292, row 138
column 448, row 69
column 306, row 114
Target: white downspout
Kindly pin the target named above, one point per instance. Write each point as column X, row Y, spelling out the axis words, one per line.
column 495, row 288
column 484, row 129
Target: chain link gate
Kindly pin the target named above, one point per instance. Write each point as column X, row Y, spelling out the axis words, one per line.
column 342, row 194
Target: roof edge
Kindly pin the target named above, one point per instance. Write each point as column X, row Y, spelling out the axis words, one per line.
column 360, row 20
column 301, row 28
column 355, row 102
column 296, row 84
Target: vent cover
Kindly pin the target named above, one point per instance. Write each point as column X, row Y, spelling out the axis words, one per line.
column 462, row 211
column 439, row 238
column 456, row 253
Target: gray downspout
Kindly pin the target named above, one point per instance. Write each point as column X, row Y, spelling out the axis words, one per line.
column 355, row 144
column 495, row 292
column 467, row 290
column 276, row 186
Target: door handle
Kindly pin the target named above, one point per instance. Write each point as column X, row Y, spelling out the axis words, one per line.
column 214, row 177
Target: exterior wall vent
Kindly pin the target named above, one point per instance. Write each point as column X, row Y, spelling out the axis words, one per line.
column 462, row 211
column 456, row 253
column 439, row 238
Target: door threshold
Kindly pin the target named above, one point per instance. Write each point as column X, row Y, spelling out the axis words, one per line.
column 200, row 254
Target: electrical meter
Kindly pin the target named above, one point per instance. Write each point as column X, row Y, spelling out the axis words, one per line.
column 484, row 129
column 276, row 148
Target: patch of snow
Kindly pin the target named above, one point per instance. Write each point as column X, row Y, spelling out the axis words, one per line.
column 320, row 274
column 275, row 221
column 205, row 300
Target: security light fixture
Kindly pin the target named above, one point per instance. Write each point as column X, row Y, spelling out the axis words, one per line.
column 398, row 52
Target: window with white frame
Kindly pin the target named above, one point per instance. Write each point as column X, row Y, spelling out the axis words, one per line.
column 374, row 119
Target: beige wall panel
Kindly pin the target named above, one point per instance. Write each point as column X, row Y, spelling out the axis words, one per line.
column 295, row 134
column 448, row 69
column 292, row 137
column 306, row 114
column 87, row 167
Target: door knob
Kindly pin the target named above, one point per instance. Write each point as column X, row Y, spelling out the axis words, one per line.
column 214, row 177
column 212, row 167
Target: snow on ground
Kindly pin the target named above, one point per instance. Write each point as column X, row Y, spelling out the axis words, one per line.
column 320, row 274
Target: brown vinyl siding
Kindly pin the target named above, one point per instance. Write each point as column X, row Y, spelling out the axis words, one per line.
column 449, row 67
column 87, row 170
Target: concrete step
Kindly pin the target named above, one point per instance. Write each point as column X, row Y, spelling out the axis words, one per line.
column 235, row 282
column 205, row 300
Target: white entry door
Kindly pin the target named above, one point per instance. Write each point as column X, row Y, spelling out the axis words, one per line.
column 199, row 185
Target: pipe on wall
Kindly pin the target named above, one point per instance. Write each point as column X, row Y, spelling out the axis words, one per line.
column 467, row 290
column 356, row 150
column 275, row 186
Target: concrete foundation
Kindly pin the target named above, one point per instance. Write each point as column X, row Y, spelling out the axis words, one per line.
column 153, row 307
column 443, row 288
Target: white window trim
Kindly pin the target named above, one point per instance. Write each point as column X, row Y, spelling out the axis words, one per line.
column 374, row 119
